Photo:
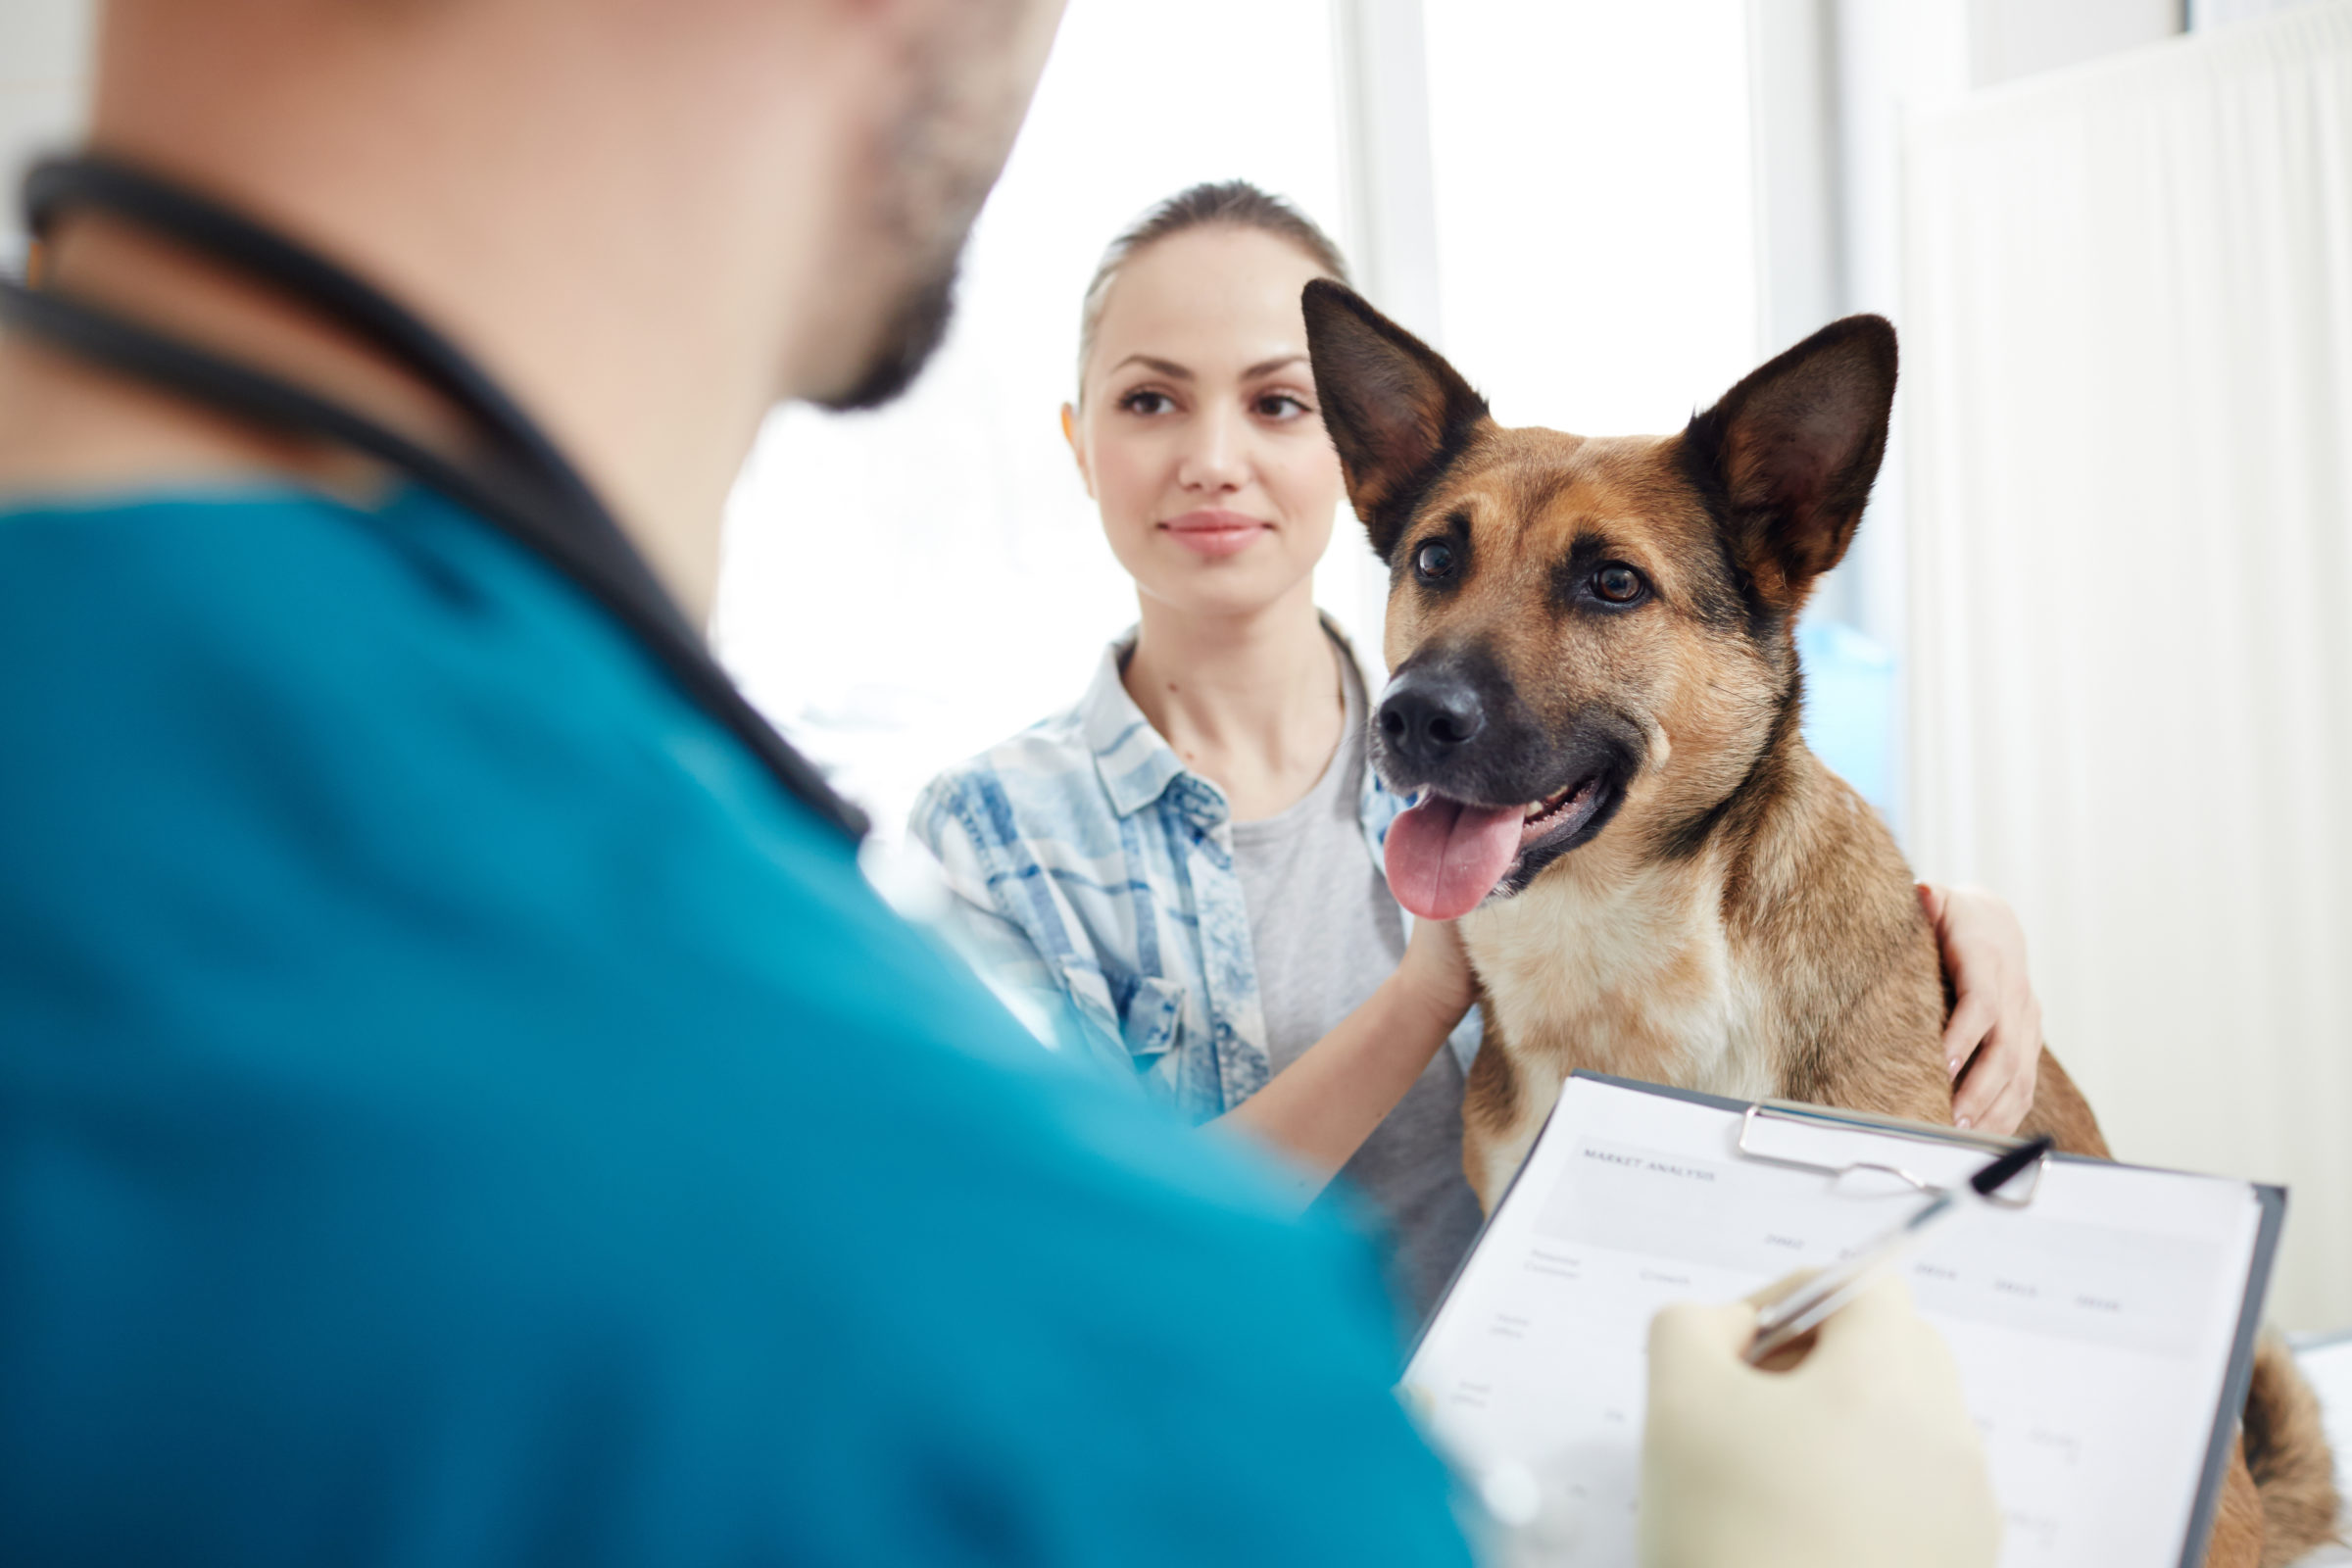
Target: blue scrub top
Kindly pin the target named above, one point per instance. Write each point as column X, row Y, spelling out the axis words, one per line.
column 454, row 1107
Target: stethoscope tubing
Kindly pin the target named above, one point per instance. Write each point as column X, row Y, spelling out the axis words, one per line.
column 531, row 491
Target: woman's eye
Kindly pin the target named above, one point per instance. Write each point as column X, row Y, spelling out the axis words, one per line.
column 1618, row 584
column 1146, row 401
column 1281, row 406
column 1434, row 560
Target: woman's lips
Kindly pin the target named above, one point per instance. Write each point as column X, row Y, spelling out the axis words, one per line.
column 1216, row 533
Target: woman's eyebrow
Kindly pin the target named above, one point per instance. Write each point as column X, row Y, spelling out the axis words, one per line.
column 1170, row 369
column 1167, row 367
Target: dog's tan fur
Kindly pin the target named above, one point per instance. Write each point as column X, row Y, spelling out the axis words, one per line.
column 1743, row 924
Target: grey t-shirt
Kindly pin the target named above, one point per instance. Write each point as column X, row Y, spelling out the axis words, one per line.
column 1326, row 934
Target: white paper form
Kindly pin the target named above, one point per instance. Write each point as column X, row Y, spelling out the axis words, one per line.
column 2094, row 1328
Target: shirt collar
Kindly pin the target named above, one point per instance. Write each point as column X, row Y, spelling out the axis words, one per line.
column 1135, row 762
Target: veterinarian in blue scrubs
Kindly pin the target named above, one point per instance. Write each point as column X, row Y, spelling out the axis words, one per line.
column 1188, row 864
column 461, row 1104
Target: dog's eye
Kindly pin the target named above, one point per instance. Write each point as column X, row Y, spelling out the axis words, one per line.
column 1434, row 560
column 1618, row 583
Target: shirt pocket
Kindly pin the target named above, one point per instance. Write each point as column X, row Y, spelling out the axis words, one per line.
column 1145, row 1029
column 1154, row 1017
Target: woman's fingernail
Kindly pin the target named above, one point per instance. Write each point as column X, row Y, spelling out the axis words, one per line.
column 1959, row 1121
column 1954, row 1066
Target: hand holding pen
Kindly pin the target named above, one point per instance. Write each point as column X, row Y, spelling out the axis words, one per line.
column 1803, row 1309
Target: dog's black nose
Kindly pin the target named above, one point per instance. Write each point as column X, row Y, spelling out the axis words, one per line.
column 1425, row 719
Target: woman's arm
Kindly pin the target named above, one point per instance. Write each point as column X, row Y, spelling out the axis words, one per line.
column 1319, row 1111
column 1994, row 1034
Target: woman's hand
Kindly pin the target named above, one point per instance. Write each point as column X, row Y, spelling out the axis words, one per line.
column 1320, row 1109
column 1994, row 1034
column 1435, row 971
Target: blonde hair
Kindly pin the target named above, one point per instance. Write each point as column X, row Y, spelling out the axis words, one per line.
column 1226, row 203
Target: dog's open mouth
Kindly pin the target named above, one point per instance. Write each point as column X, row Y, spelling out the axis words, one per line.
column 1445, row 855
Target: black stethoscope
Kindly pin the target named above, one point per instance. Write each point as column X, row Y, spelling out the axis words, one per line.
column 527, row 488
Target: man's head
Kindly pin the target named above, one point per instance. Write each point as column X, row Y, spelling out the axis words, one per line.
column 651, row 219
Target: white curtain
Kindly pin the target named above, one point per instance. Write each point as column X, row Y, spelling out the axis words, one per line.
column 2128, row 368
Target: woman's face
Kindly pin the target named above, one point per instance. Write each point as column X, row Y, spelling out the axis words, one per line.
column 1199, row 437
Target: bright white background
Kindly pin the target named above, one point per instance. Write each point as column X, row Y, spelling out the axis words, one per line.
column 1595, row 248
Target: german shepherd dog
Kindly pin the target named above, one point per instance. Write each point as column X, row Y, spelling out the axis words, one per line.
column 1594, row 691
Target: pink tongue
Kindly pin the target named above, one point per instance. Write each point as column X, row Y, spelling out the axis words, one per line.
column 1443, row 857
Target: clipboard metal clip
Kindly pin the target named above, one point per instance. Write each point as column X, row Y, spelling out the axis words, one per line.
column 2016, row 1195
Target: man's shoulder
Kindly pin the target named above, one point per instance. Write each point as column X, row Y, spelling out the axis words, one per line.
column 198, row 536
column 412, row 774
column 158, row 564
column 216, row 632
column 270, row 591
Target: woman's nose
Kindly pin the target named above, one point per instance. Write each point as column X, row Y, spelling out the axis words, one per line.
column 1214, row 458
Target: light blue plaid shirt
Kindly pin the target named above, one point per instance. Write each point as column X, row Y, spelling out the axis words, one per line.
column 1092, row 869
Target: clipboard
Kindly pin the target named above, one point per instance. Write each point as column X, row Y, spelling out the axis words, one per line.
column 1781, row 1145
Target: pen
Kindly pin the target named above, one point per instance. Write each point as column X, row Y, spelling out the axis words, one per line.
column 1806, row 1307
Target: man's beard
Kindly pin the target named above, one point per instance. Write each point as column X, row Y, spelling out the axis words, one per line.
column 934, row 168
column 918, row 326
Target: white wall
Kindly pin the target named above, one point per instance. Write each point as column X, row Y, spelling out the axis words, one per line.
column 2009, row 39
column 2204, row 14
column 1835, row 83
column 1595, row 222
column 2130, row 363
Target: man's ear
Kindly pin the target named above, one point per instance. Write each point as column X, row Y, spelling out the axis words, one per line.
column 1788, row 454
column 1397, row 412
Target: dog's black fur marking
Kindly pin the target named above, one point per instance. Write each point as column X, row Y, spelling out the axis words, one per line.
column 1494, row 773
column 1522, row 761
column 1615, row 743
column 1726, row 598
column 1755, row 787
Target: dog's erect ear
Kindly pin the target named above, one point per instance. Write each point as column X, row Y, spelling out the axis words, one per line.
column 1788, row 454
column 1397, row 412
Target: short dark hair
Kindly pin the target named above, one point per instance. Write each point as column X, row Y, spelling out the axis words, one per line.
column 1220, row 203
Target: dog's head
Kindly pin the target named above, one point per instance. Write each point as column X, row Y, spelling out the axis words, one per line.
column 1587, row 637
